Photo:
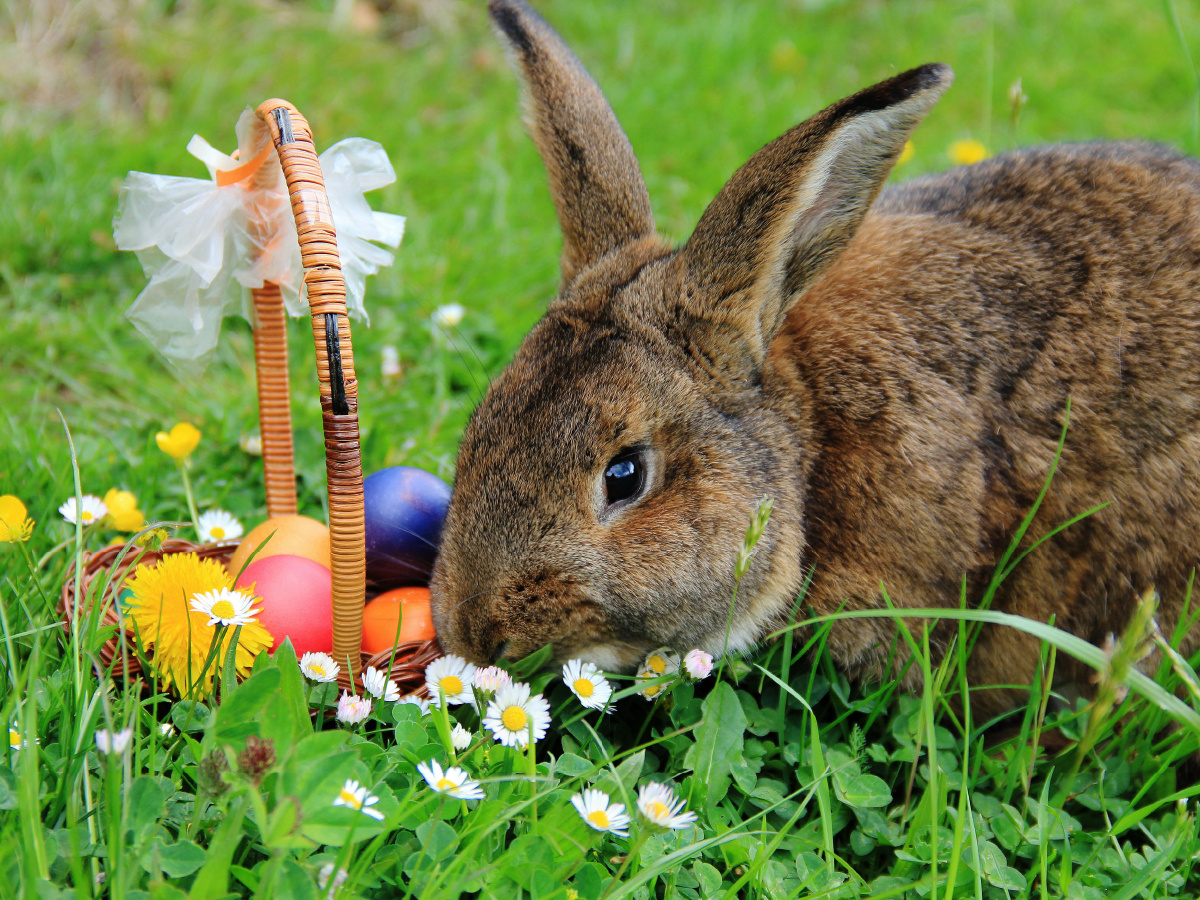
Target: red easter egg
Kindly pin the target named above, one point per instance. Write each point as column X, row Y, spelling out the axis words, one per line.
column 295, row 597
column 406, row 607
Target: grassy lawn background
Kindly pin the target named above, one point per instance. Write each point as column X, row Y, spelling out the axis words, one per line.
column 117, row 85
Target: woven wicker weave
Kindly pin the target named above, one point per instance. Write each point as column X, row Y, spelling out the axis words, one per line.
column 338, row 385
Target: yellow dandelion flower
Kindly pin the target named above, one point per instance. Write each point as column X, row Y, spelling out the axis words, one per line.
column 14, row 521
column 180, row 442
column 160, row 605
column 906, row 154
column 122, row 510
column 967, row 153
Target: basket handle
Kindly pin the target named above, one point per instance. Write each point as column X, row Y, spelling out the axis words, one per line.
column 335, row 372
column 274, row 402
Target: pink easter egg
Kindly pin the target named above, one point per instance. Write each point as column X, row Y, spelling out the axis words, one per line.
column 295, row 597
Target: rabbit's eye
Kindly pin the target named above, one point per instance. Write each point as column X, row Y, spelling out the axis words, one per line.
column 623, row 478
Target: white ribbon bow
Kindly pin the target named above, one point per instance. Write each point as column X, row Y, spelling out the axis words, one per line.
column 204, row 246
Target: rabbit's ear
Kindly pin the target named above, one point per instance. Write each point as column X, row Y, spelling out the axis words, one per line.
column 595, row 181
column 787, row 213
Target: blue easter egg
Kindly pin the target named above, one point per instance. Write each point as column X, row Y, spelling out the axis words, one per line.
column 405, row 508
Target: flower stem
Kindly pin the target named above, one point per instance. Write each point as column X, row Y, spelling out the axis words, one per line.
column 643, row 834
column 532, row 773
column 191, row 499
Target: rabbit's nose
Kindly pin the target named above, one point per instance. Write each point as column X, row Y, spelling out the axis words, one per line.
column 498, row 652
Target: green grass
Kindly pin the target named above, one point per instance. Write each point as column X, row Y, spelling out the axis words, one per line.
column 790, row 800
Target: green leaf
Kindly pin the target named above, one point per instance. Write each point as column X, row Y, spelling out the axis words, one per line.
column 146, row 806
column 246, row 703
column 177, row 860
column 708, row 876
column 865, row 791
column 293, row 882
column 190, row 715
column 437, row 838
column 860, row 843
column 213, row 879
column 291, row 686
column 718, row 739
column 571, row 765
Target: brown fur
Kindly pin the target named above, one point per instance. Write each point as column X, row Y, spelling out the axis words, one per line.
column 892, row 371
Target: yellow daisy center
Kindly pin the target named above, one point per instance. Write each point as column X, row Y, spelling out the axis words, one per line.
column 652, row 690
column 584, row 687
column 514, row 718
column 14, row 739
column 658, row 664
column 349, row 799
column 217, row 531
column 445, row 784
column 87, row 515
column 317, row 669
column 223, row 609
column 599, row 818
column 659, row 810
column 451, row 684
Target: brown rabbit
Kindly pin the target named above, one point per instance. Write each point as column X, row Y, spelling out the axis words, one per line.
column 892, row 371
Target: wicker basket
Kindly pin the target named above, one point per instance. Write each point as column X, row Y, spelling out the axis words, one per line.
column 339, row 412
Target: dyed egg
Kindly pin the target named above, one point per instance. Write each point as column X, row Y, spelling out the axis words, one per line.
column 405, row 608
column 293, row 536
column 295, row 594
column 405, row 508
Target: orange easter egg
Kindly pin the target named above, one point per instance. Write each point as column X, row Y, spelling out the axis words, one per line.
column 293, row 536
column 406, row 608
column 295, row 594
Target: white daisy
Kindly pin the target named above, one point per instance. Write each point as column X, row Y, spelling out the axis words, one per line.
column 512, row 712
column 93, row 510
column 319, row 667
column 225, row 606
column 453, row 782
column 218, row 525
column 379, row 686
column 108, row 742
column 420, row 702
column 352, row 709
column 15, row 741
column 358, row 797
column 586, row 683
column 594, row 807
column 698, row 664
column 460, row 738
column 650, row 691
column 166, row 729
column 491, row 679
column 663, row 661
column 658, row 803
column 451, row 676
column 448, row 316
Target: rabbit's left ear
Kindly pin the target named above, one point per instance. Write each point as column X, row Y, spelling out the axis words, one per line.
column 787, row 213
column 595, row 181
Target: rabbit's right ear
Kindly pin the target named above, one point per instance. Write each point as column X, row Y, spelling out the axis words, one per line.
column 595, row 181
column 787, row 213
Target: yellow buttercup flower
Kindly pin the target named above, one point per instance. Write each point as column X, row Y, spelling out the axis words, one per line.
column 123, row 513
column 967, row 153
column 180, row 442
column 166, row 623
column 15, row 524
